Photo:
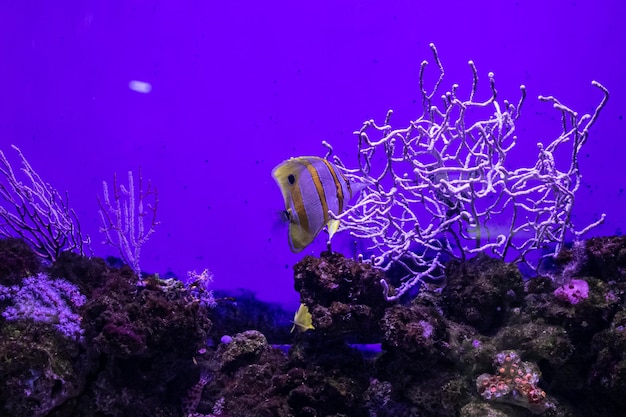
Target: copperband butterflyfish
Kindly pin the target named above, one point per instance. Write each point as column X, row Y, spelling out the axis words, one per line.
column 311, row 186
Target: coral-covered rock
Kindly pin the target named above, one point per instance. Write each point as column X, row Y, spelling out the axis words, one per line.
column 321, row 376
column 125, row 321
column 17, row 260
column 442, row 395
column 40, row 369
column 476, row 409
column 573, row 291
column 417, row 330
column 480, row 291
column 242, row 349
column 145, row 339
column 606, row 258
column 581, row 319
column 608, row 372
column 539, row 342
column 379, row 401
column 88, row 274
column 146, row 351
column 342, row 295
column 514, row 382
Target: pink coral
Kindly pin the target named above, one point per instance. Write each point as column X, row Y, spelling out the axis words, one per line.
column 573, row 291
column 515, row 382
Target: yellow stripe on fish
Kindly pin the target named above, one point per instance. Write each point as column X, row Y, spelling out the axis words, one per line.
column 311, row 186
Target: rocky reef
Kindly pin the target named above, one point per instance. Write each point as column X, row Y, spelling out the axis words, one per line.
column 132, row 357
column 487, row 342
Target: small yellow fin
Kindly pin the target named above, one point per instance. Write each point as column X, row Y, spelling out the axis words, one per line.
column 302, row 320
column 333, row 225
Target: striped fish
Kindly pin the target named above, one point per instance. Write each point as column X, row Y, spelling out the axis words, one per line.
column 311, row 186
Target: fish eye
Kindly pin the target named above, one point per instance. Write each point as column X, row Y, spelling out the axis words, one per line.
column 291, row 178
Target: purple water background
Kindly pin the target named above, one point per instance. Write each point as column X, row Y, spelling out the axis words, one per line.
column 239, row 86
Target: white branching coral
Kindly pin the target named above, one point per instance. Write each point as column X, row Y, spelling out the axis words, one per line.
column 123, row 214
column 441, row 187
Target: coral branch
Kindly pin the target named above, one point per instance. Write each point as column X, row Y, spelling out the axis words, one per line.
column 123, row 215
column 37, row 213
